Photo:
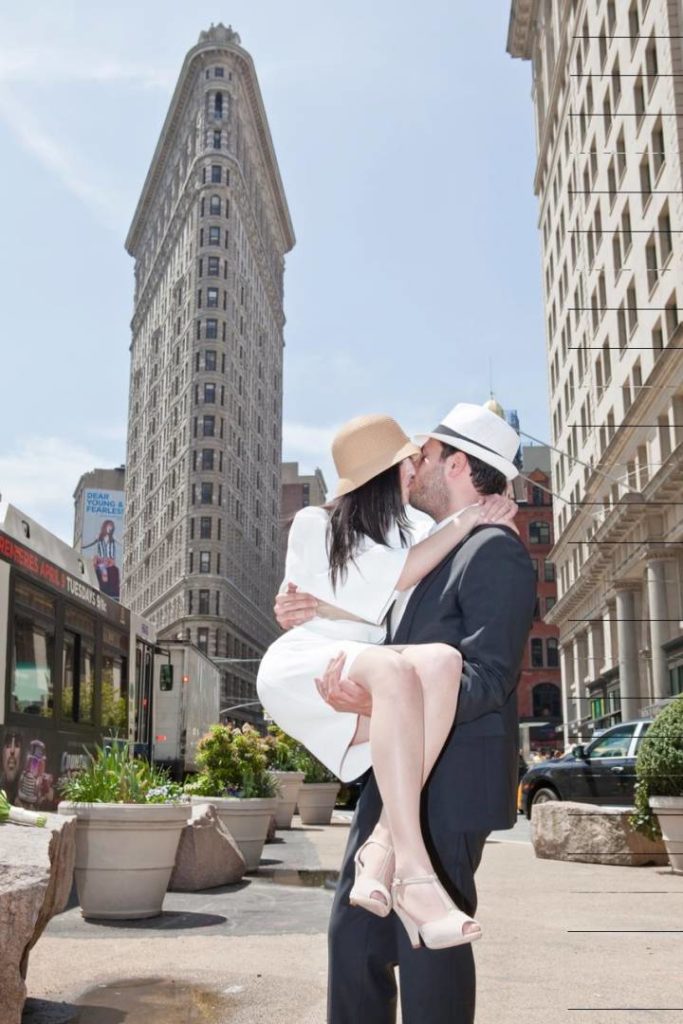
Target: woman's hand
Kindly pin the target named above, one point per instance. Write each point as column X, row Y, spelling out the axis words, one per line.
column 494, row 508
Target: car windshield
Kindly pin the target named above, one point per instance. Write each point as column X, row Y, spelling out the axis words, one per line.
column 613, row 744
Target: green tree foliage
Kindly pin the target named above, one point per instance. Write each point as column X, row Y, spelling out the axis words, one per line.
column 659, row 768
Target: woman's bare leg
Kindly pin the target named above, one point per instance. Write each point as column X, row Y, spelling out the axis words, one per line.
column 414, row 693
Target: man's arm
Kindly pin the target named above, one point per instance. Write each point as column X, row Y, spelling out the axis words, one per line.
column 496, row 594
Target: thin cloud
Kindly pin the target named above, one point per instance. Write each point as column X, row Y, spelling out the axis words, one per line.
column 40, row 478
column 57, row 67
column 109, row 208
column 308, row 440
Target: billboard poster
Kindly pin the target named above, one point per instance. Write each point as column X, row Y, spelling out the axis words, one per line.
column 102, row 537
column 33, row 762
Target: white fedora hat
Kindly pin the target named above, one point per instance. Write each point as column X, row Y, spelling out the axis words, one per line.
column 479, row 432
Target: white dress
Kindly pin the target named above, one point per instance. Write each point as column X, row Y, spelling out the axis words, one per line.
column 285, row 682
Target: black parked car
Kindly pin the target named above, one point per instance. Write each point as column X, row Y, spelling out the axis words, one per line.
column 603, row 772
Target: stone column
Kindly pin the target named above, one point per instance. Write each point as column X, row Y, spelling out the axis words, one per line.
column 579, row 658
column 607, row 619
column 629, row 679
column 594, row 639
column 565, row 677
column 655, row 575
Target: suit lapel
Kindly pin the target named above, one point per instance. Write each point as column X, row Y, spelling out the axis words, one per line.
column 406, row 623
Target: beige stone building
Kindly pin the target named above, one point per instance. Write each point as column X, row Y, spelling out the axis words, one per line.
column 608, row 97
column 209, row 237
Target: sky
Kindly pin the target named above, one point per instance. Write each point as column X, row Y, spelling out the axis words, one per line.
column 404, row 135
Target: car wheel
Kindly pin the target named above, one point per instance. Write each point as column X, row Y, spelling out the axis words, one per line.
column 544, row 796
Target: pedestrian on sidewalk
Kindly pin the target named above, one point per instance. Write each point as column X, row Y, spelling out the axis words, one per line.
column 479, row 599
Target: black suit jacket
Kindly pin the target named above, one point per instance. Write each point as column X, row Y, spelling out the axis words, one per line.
column 480, row 599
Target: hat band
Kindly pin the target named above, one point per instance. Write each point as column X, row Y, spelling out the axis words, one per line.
column 443, row 429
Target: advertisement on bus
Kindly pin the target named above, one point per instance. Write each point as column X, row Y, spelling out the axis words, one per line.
column 33, row 762
column 102, row 537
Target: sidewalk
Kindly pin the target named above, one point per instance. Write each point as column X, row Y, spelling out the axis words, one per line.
column 563, row 942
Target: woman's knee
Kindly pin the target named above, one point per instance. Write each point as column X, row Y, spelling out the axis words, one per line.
column 391, row 671
column 441, row 663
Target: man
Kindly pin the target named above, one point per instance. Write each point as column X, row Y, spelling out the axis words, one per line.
column 480, row 600
column 10, row 763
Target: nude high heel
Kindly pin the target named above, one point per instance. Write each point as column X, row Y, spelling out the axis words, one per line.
column 443, row 931
column 364, row 886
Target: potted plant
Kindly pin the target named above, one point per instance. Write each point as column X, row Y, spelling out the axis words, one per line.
column 284, row 754
column 234, row 776
column 318, row 794
column 659, row 786
column 129, row 819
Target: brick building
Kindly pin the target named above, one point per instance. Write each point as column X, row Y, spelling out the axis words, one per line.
column 300, row 490
column 540, row 688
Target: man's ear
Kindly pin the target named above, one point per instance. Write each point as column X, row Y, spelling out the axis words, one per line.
column 456, row 465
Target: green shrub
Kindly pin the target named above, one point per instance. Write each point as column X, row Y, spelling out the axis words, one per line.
column 233, row 762
column 283, row 752
column 313, row 769
column 114, row 777
column 659, row 768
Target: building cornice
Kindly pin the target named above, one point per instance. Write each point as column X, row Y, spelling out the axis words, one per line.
column 521, row 28
column 213, row 41
column 666, row 368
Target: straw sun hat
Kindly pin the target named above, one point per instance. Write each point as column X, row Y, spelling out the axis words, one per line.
column 365, row 447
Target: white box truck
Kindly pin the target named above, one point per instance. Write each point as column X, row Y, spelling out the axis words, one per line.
column 187, row 689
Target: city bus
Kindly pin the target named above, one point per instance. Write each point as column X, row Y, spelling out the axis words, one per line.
column 76, row 667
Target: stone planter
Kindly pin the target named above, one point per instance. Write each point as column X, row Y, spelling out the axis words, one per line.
column 124, row 856
column 669, row 811
column 246, row 820
column 591, row 834
column 316, row 802
column 289, row 784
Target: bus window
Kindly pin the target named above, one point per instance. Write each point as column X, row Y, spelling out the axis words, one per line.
column 114, row 681
column 33, row 655
column 78, row 666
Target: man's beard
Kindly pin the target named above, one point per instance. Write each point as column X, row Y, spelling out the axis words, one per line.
column 431, row 497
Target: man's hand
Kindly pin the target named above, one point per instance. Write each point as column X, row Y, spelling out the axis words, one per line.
column 294, row 608
column 341, row 693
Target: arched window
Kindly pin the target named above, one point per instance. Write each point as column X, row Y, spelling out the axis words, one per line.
column 547, row 701
column 215, row 206
column 553, row 654
column 539, row 533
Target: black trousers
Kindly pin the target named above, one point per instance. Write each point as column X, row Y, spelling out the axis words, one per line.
column 436, row 986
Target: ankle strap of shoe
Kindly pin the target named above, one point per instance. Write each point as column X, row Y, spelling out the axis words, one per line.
column 417, row 880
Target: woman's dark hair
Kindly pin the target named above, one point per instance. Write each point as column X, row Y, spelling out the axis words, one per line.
column 103, row 528
column 371, row 510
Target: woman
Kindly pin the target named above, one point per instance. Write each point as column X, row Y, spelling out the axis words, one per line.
column 353, row 555
column 105, row 560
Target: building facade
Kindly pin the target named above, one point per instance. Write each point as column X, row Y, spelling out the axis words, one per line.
column 299, row 490
column 608, row 98
column 539, row 692
column 209, row 237
column 99, row 516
